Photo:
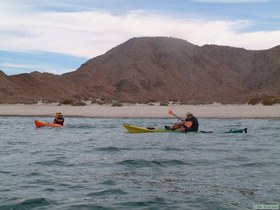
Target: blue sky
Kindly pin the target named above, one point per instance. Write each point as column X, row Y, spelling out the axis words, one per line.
column 58, row 36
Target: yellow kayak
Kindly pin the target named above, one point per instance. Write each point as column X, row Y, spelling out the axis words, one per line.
column 139, row 129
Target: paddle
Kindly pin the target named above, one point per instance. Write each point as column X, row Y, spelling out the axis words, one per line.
column 170, row 112
column 188, row 123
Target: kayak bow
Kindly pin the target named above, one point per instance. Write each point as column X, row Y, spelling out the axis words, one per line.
column 40, row 124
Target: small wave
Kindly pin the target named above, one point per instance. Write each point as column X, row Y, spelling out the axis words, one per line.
column 107, row 192
column 153, row 163
column 247, row 192
column 154, row 203
column 34, row 174
column 49, row 189
column 178, row 189
column 204, row 162
column 91, row 126
column 108, row 182
column 40, row 181
column 259, row 164
column 88, row 206
column 5, row 172
column 238, row 159
column 27, row 204
column 109, row 149
column 81, row 126
column 55, row 162
column 173, row 149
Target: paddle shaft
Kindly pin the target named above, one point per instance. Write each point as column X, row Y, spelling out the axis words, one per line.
column 178, row 117
column 171, row 113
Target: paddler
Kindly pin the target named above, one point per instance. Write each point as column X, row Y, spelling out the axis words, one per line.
column 59, row 119
column 190, row 124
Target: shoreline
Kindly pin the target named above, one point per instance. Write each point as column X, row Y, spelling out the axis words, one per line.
column 141, row 111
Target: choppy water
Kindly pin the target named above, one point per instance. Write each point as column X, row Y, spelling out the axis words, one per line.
column 95, row 164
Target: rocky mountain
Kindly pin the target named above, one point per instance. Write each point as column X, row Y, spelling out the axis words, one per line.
column 156, row 69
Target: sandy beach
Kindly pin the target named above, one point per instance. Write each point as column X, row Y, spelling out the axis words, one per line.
column 142, row 111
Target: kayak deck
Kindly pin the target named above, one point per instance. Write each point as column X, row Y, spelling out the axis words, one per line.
column 40, row 124
column 140, row 129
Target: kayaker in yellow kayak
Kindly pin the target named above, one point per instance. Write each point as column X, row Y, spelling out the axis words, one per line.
column 189, row 124
column 59, row 119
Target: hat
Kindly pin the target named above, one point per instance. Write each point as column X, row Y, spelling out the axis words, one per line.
column 189, row 113
column 58, row 114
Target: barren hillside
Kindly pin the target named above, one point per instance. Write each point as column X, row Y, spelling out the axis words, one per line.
column 157, row 69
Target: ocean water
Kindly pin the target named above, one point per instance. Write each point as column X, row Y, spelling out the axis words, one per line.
column 96, row 164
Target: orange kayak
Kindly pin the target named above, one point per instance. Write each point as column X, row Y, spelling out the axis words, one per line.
column 40, row 124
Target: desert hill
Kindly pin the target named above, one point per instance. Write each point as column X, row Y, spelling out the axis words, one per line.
column 156, row 69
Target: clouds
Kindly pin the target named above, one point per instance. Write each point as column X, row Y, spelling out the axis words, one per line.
column 91, row 33
column 76, row 33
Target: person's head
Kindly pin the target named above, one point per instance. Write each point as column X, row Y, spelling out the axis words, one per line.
column 189, row 114
column 58, row 114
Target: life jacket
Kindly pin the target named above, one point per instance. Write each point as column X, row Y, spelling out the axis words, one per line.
column 188, row 124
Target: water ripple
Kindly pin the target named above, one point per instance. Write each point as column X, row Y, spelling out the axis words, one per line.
column 152, row 163
column 27, row 204
column 96, row 164
column 107, row 192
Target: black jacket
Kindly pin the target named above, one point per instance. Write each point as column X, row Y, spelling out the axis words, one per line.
column 59, row 120
column 195, row 124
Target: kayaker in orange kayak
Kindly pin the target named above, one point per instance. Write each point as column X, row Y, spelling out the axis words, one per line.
column 189, row 124
column 59, row 119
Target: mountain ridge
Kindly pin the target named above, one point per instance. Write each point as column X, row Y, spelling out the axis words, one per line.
column 158, row 69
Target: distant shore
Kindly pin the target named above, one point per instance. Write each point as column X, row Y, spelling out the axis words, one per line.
column 142, row 111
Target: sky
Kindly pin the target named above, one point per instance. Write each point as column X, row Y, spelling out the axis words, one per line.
column 58, row 36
